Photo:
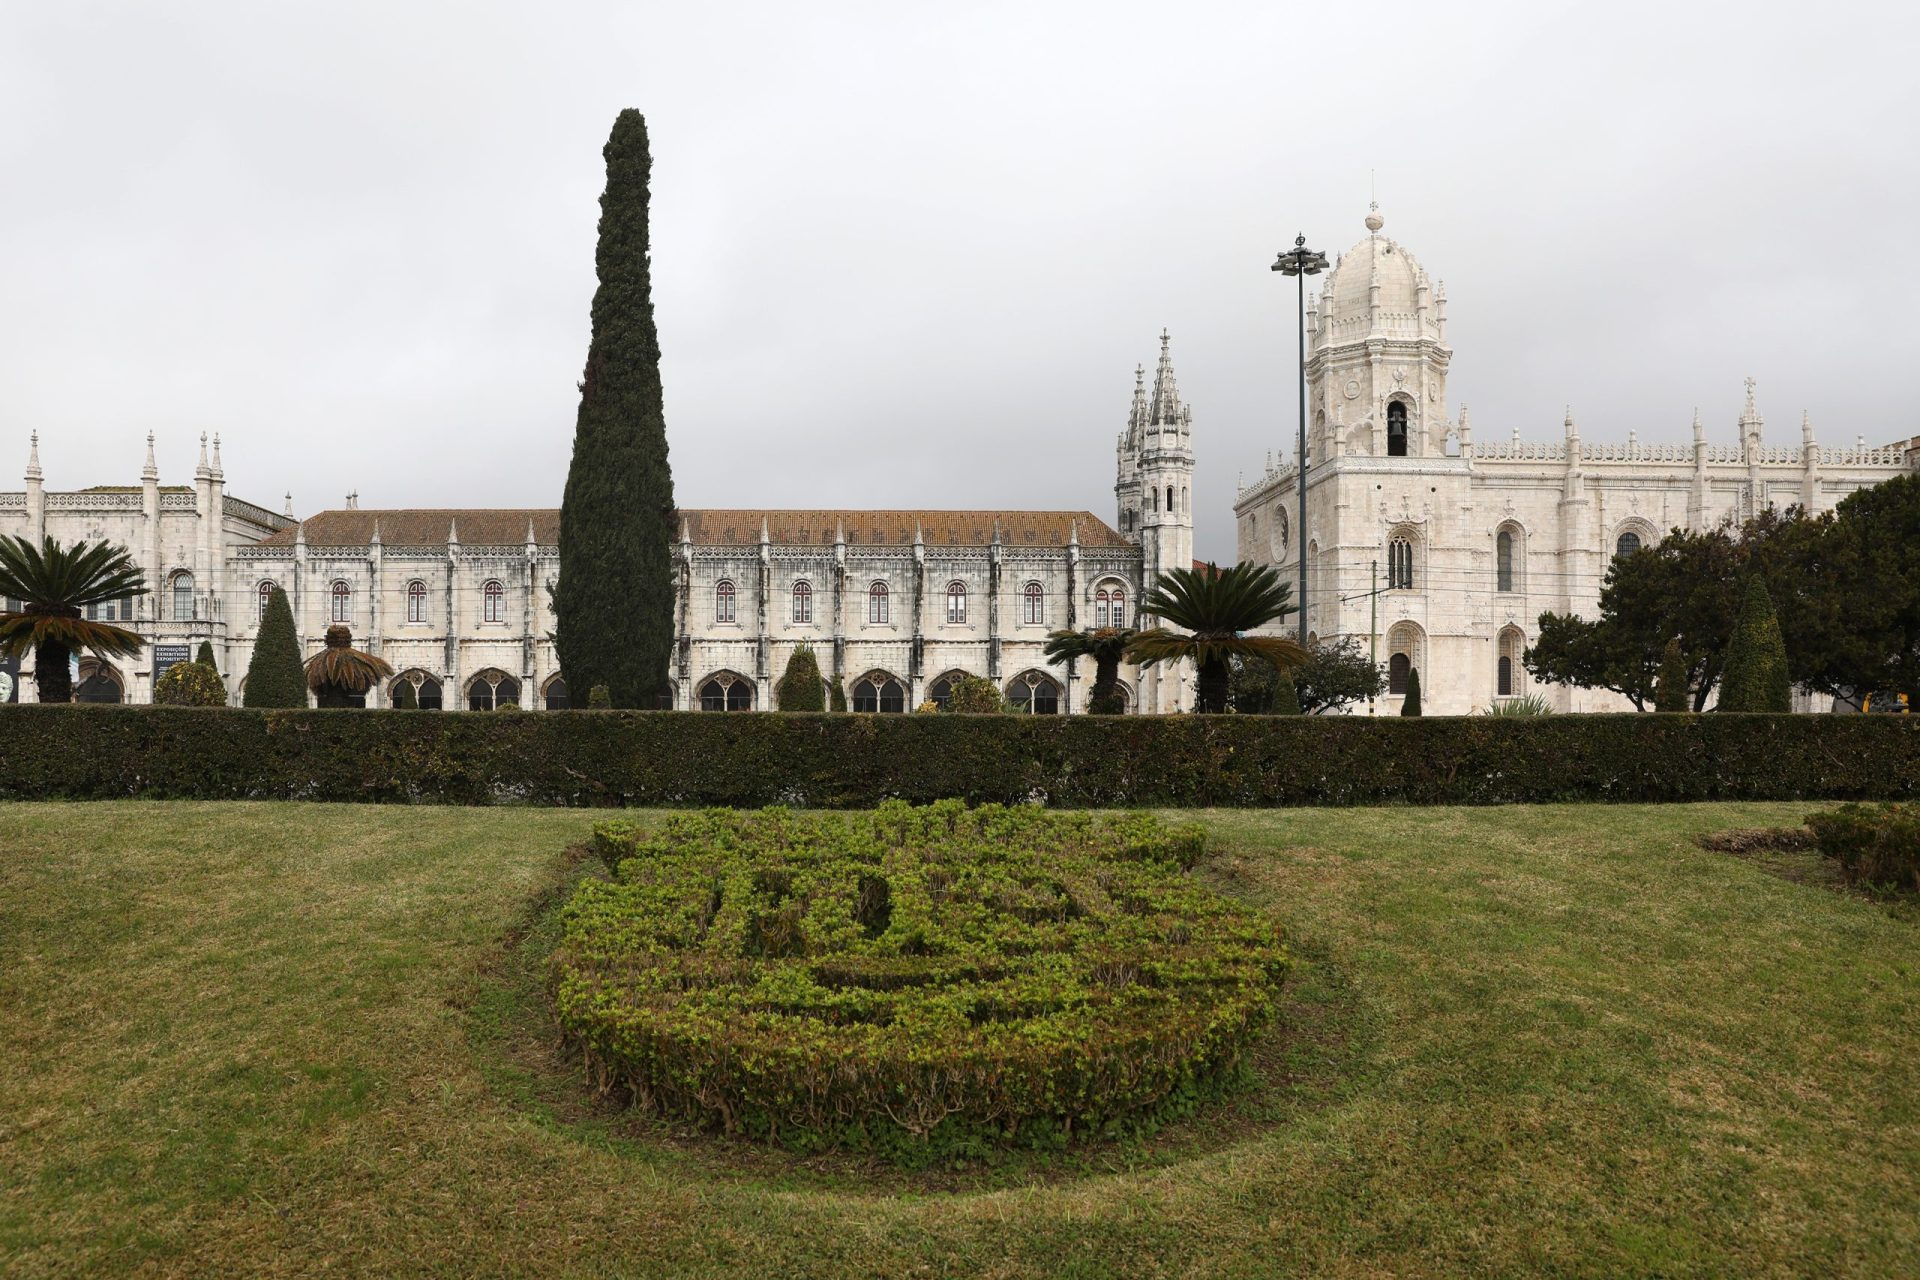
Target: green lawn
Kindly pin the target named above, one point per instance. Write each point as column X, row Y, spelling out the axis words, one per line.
column 269, row 1038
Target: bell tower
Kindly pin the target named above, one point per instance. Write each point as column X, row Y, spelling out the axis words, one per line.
column 1154, row 488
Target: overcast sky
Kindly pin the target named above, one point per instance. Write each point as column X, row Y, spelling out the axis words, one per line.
column 910, row 258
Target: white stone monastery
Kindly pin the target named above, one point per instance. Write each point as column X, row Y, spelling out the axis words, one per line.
column 1440, row 551
column 895, row 604
column 1437, row 551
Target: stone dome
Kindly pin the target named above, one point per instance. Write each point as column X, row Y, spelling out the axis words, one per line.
column 1346, row 300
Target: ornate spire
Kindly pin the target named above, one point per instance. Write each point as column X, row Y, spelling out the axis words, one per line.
column 33, row 456
column 531, row 540
column 1165, row 410
column 840, row 531
column 686, row 529
column 152, row 470
column 201, row 470
column 1750, row 420
column 1699, row 427
column 1073, row 533
column 219, row 473
column 1806, row 427
column 289, row 504
column 374, row 541
column 764, row 536
column 453, row 532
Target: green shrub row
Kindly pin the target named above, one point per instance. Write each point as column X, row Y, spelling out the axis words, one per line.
column 911, row 981
column 690, row 759
column 1876, row 845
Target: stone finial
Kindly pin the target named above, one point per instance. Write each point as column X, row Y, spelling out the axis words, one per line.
column 1699, row 427
column 353, row 500
column 765, row 535
column 1571, row 429
column 33, row 456
column 531, row 541
column 219, row 472
column 1073, row 533
column 918, row 540
column 1806, row 426
column 1374, row 220
column 201, row 470
column 453, row 532
column 840, row 532
column 152, row 470
column 1751, row 408
column 374, row 541
column 289, row 504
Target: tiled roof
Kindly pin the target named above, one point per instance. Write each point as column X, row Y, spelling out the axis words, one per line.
column 507, row 526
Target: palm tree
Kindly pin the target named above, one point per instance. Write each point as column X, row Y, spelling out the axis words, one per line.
column 1107, row 646
column 339, row 673
column 55, row 586
column 1214, row 607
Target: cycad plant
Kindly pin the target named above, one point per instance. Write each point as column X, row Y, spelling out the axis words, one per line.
column 340, row 673
column 1216, row 607
column 1107, row 646
column 55, row 585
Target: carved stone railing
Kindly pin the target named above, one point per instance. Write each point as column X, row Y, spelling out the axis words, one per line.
column 1518, row 451
column 96, row 501
column 1859, row 457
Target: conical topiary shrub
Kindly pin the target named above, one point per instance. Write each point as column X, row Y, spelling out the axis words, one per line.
column 1755, row 676
column 340, row 673
column 274, row 674
column 599, row 699
column 1410, row 706
column 1670, row 693
column 801, row 688
column 205, row 656
column 1286, row 698
column 836, row 696
column 405, row 696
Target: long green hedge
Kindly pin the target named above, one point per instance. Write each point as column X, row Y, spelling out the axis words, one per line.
column 854, row 761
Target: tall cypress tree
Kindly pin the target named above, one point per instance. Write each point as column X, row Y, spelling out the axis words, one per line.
column 1671, row 694
column 1410, row 705
column 275, row 676
column 614, row 599
column 1755, row 677
column 801, row 689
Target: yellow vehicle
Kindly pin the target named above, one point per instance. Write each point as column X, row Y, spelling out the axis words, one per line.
column 1891, row 704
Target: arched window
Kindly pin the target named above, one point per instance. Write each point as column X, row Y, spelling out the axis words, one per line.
column 266, row 594
column 182, row 583
column 342, row 596
column 426, row 690
column 725, row 691
column 556, row 695
column 98, row 682
column 492, row 690
column 1170, row 506
column 1101, row 605
column 1508, row 672
column 941, row 690
column 1628, row 544
column 1036, row 603
column 1034, row 693
column 1400, row 564
column 494, row 608
column 1406, row 650
column 1397, row 429
column 803, row 602
column 723, row 602
column 877, row 602
column 1503, row 561
column 416, row 601
column 879, row 692
column 1118, row 597
column 956, row 602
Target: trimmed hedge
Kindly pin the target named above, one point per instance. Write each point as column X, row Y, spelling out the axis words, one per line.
column 912, row 981
column 854, row 761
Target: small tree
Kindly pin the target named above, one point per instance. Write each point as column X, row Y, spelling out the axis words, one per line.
column 1410, row 705
column 599, row 699
column 801, row 688
column 1107, row 646
column 190, row 684
column 275, row 677
column 55, row 586
column 205, row 656
column 405, row 696
column 836, row 696
column 1755, row 677
column 974, row 696
column 1336, row 675
column 1286, row 699
column 1670, row 693
column 340, row 673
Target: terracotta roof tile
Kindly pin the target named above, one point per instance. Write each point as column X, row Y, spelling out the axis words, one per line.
column 507, row 526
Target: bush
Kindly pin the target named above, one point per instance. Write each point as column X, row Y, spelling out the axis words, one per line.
column 689, row 759
column 975, row 696
column 405, row 696
column 836, row 696
column 1528, row 704
column 599, row 698
column 1670, row 692
column 275, row 675
column 1410, row 705
column 1755, row 675
column 912, row 981
column 190, row 684
column 801, row 688
column 1876, row 845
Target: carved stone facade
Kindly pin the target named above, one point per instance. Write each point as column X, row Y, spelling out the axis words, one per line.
column 892, row 602
column 1441, row 552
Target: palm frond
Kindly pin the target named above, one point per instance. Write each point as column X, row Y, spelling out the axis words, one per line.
column 1102, row 644
column 1213, row 601
column 1158, row 645
column 56, row 577
column 21, row 633
column 344, row 668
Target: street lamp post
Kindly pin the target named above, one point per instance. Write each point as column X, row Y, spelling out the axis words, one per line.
column 1301, row 262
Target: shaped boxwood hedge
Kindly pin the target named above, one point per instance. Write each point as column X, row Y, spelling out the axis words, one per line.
column 909, row 979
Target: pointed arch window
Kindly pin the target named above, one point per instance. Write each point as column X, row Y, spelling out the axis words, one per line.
column 1397, row 429
column 803, row 602
column 1397, row 667
column 491, row 690
column 1507, row 671
column 416, row 601
column 1400, row 565
column 1034, row 693
column 1628, row 544
column 1503, row 561
column 182, row 583
column 342, row 598
column 956, row 602
column 879, row 693
column 726, row 691
column 723, row 601
column 1035, row 599
column 877, row 602
column 495, row 607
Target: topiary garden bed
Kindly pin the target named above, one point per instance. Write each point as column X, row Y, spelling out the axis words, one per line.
column 912, row 980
